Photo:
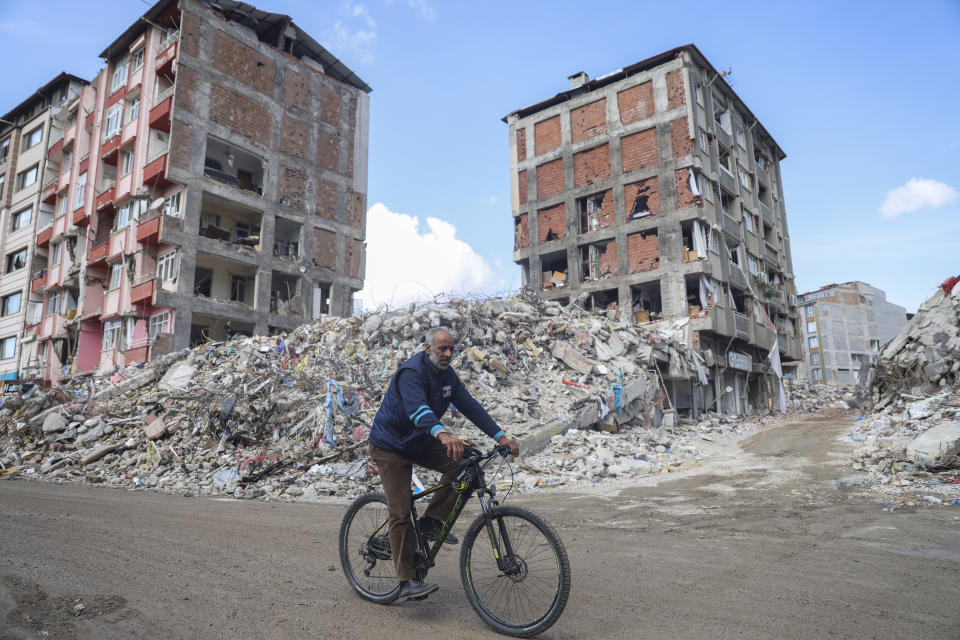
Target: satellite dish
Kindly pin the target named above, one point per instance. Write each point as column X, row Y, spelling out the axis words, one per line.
column 156, row 204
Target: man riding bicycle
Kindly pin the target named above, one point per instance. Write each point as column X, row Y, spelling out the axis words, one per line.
column 407, row 431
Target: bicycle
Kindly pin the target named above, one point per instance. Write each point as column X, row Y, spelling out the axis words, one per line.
column 520, row 588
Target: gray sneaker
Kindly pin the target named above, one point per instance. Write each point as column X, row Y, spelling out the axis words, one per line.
column 415, row 590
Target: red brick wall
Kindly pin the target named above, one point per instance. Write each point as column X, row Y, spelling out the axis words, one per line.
column 521, row 232
column 605, row 217
column 186, row 87
column 546, row 134
column 328, row 150
column 330, row 106
column 355, row 209
column 325, row 248
column 242, row 115
column 326, row 199
column 295, row 137
column 588, row 120
column 521, row 144
column 643, row 251
column 680, row 134
column 292, row 188
column 296, row 90
column 685, row 197
column 179, row 146
column 608, row 260
column 636, row 103
column 354, row 257
column 190, row 34
column 675, row 92
column 553, row 218
column 591, row 166
column 549, row 179
column 639, row 150
column 244, row 63
column 638, row 190
column 522, row 186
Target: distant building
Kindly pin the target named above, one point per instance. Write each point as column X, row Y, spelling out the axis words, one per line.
column 211, row 180
column 655, row 192
column 845, row 326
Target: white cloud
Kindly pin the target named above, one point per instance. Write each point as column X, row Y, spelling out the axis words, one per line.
column 405, row 264
column 356, row 33
column 917, row 193
column 423, row 8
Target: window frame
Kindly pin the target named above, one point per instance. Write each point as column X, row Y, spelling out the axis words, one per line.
column 27, row 137
column 15, row 218
column 114, row 114
column 118, row 78
column 4, row 150
column 12, row 255
column 80, row 191
column 5, row 301
column 3, row 348
column 112, row 329
column 156, row 327
column 53, row 300
column 137, row 58
column 168, row 266
column 21, row 177
column 56, row 254
column 116, row 274
column 126, row 158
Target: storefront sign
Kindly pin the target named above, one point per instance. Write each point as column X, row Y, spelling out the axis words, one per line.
column 740, row 361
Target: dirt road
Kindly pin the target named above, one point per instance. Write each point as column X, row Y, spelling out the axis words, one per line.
column 758, row 542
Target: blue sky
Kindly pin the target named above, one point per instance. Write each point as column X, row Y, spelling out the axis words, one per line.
column 862, row 97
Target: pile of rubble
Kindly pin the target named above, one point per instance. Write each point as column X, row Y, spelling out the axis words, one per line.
column 288, row 415
column 910, row 442
column 806, row 397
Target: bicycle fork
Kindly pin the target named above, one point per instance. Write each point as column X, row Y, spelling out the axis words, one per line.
column 502, row 548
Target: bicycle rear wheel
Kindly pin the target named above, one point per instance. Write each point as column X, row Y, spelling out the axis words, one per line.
column 365, row 550
column 527, row 597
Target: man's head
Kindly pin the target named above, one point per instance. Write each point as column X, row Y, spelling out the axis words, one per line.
column 439, row 345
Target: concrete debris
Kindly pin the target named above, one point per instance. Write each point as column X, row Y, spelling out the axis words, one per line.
column 287, row 416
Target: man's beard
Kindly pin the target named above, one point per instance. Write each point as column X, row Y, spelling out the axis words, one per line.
column 435, row 361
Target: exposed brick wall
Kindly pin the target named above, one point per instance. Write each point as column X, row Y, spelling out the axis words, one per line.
column 295, row 137
column 521, row 232
column 675, row 93
column 680, row 134
column 522, row 186
column 242, row 115
column 685, row 197
column 186, row 88
column 546, row 134
column 591, row 166
column 643, row 251
column 296, row 90
column 179, row 156
column 354, row 257
column 521, row 144
column 605, row 216
column 355, row 209
column 549, row 179
column 636, row 103
column 325, row 248
column 588, row 120
column 641, row 195
column 244, row 63
column 330, row 106
column 326, row 199
column 328, row 150
column 190, row 34
column 639, row 150
column 350, row 159
column 292, row 188
column 552, row 219
column 608, row 260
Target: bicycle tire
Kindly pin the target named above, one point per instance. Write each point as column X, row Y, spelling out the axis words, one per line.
column 540, row 551
column 363, row 518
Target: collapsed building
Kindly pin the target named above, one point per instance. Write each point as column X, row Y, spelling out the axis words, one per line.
column 209, row 181
column 655, row 193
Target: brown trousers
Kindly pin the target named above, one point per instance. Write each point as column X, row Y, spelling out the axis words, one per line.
column 396, row 473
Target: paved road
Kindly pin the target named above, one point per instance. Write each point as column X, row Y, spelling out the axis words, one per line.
column 756, row 543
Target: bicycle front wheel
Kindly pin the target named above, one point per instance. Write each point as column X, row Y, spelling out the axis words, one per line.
column 526, row 593
column 365, row 553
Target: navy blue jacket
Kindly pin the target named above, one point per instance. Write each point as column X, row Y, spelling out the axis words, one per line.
column 414, row 403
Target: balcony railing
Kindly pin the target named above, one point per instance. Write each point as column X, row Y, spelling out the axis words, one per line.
column 767, row 214
column 742, row 324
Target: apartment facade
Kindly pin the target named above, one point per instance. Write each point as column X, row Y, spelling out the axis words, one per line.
column 656, row 193
column 25, row 132
column 216, row 186
column 845, row 326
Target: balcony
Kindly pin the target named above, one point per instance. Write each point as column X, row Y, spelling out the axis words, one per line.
column 50, row 191
column 143, row 292
column 109, row 149
column 55, row 148
column 167, row 55
column 233, row 166
column 766, row 213
column 88, row 120
column 727, row 181
column 770, row 253
column 81, row 218
column 761, row 173
column 105, row 199
column 742, row 324
column 39, row 279
column 155, row 173
column 160, row 115
column 43, row 237
column 736, row 276
column 100, row 249
column 148, row 230
column 731, row 227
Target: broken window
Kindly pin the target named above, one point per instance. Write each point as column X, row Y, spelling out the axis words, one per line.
column 554, row 269
column 646, row 301
column 607, row 300
column 746, row 180
column 694, row 234
column 721, row 115
column 733, row 253
column 589, row 209
column 231, row 165
column 285, row 294
column 748, row 222
column 699, row 292
column 598, row 260
column 203, row 282
column 741, row 303
column 640, row 207
column 321, row 299
column 286, row 239
column 726, row 203
column 238, row 288
column 725, row 160
column 521, row 232
column 229, row 221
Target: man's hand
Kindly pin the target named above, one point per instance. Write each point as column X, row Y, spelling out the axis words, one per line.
column 454, row 446
column 509, row 442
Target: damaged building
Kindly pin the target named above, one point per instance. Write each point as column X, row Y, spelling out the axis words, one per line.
column 655, row 194
column 844, row 328
column 209, row 181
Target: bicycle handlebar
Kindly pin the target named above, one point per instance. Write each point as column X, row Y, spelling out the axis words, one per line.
column 473, row 452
